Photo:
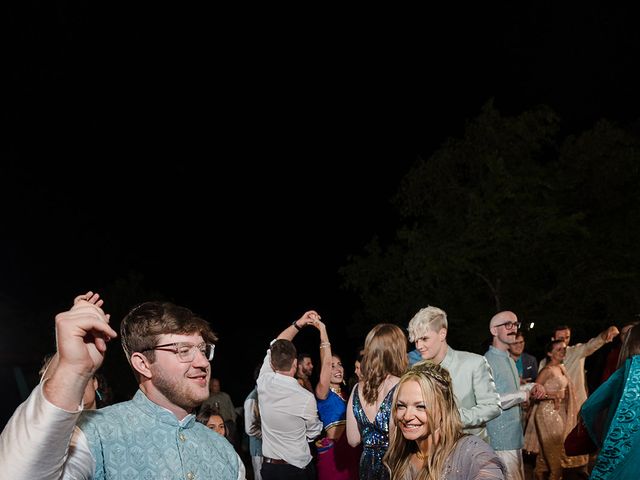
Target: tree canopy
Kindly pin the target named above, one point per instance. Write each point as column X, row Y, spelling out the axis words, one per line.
column 514, row 215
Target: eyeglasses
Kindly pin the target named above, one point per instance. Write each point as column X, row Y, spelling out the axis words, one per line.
column 186, row 352
column 510, row 325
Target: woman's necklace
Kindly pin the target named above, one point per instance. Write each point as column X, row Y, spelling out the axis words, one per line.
column 337, row 390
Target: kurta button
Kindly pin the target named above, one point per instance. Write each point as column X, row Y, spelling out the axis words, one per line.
column 190, row 476
column 183, row 438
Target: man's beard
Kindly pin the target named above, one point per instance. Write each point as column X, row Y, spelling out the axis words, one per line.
column 179, row 392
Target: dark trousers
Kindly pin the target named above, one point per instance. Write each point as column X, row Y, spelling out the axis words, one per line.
column 277, row 471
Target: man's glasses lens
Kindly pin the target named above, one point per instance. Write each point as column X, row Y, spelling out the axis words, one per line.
column 186, row 352
column 510, row 325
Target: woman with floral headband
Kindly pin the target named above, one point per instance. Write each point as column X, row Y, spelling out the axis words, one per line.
column 428, row 442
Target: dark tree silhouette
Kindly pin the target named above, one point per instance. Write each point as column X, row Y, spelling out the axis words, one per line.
column 511, row 216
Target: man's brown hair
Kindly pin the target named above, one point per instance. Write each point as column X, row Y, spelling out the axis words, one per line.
column 283, row 353
column 143, row 325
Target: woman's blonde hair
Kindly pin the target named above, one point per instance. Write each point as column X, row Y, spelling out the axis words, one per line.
column 385, row 353
column 442, row 416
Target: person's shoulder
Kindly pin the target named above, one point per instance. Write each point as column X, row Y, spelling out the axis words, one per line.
column 252, row 394
column 491, row 353
column 469, row 356
column 491, row 358
column 474, row 444
column 105, row 415
column 113, row 409
column 304, row 391
column 214, row 440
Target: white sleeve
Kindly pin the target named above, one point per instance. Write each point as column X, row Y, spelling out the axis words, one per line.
column 508, row 400
column 37, row 443
column 251, row 426
column 242, row 472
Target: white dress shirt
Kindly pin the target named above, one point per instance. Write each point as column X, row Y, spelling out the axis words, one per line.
column 289, row 416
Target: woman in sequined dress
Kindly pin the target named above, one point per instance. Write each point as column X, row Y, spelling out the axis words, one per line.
column 612, row 416
column 428, row 442
column 553, row 417
column 369, row 408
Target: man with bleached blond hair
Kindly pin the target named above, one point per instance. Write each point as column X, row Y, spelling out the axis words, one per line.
column 473, row 385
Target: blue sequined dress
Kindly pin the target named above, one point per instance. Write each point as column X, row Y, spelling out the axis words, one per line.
column 375, row 437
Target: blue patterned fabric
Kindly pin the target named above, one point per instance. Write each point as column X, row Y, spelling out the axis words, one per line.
column 505, row 431
column 375, row 437
column 619, row 456
column 139, row 439
column 332, row 410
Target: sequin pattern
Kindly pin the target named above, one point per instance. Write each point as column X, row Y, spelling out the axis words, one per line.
column 375, row 437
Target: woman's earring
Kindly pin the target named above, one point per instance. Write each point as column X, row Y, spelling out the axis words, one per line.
column 98, row 395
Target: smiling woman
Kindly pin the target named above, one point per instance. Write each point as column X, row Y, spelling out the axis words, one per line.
column 429, row 442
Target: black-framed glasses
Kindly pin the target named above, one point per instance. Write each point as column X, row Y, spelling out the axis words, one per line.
column 510, row 325
column 186, row 352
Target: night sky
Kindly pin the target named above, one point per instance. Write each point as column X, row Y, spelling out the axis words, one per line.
column 304, row 131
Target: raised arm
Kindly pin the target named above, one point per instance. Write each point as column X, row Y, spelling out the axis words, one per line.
column 586, row 349
column 293, row 329
column 322, row 388
column 82, row 334
column 35, row 442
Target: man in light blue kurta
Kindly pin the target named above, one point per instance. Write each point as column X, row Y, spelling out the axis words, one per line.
column 471, row 378
column 152, row 436
column 505, row 431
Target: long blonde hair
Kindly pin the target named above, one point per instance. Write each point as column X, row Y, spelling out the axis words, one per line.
column 385, row 353
column 442, row 415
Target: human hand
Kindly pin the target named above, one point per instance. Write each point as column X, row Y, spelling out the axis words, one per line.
column 319, row 324
column 82, row 334
column 538, row 391
column 610, row 333
column 308, row 318
column 90, row 297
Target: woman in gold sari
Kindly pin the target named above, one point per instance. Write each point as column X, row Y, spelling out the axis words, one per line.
column 552, row 418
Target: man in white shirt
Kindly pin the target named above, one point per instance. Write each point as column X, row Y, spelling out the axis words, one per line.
column 288, row 412
column 576, row 355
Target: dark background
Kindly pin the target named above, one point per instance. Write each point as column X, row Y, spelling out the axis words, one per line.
column 231, row 161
